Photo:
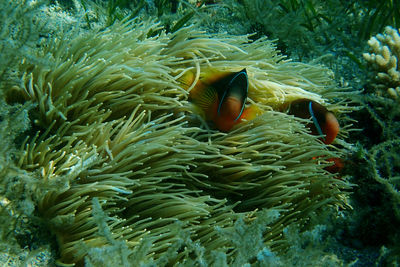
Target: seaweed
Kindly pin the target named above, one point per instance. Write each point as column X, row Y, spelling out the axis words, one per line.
column 173, row 14
column 377, row 15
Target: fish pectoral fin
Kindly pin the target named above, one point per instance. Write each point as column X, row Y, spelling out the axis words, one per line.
column 250, row 113
column 204, row 97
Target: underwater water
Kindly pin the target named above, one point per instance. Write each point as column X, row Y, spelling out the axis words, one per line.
column 200, row 133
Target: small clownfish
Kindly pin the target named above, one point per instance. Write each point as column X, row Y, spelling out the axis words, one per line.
column 324, row 122
column 222, row 98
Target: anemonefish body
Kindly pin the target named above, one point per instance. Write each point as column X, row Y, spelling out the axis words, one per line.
column 324, row 122
column 222, row 98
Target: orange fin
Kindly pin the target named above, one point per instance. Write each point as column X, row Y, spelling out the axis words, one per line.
column 337, row 165
column 187, row 79
column 250, row 113
column 205, row 97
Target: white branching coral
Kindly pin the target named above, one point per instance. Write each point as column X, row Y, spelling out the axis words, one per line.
column 384, row 56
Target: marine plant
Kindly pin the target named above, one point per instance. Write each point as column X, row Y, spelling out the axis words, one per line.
column 172, row 14
column 377, row 15
column 117, row 159
column 305, row 28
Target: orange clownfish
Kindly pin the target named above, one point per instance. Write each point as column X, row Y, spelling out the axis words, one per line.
column 324, row 122
column 222, row 98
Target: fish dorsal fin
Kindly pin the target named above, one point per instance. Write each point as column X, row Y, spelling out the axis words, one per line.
column 237, row 87
column 187, row 79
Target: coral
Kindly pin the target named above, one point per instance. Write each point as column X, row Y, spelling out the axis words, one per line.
column 374, row 166
column 383, row 57
column 383, row 155
column 118, row 161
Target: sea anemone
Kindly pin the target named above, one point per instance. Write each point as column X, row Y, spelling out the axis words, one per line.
column 115, row 135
